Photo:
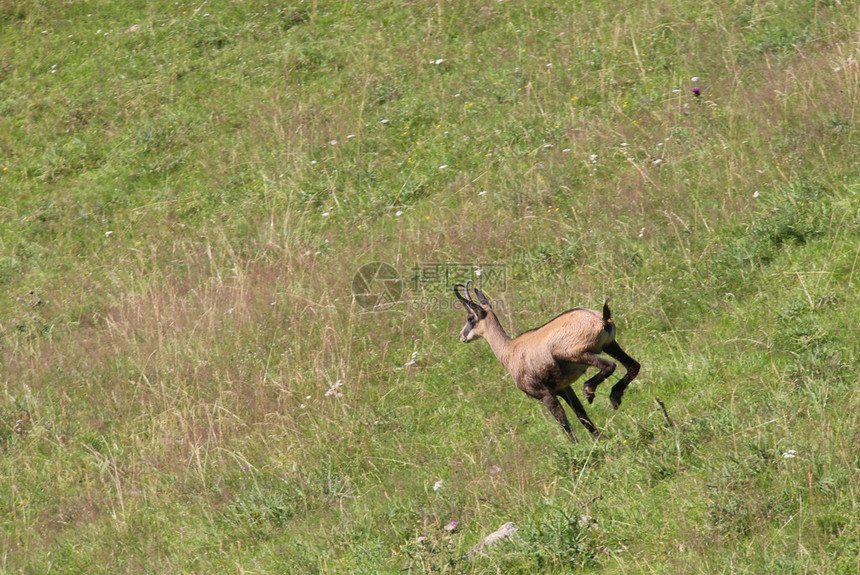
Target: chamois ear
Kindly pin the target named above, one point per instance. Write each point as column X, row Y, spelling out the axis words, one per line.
column 482, row 298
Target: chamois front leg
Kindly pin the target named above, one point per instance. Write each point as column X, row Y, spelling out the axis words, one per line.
column 557, row 411
column 570, row 397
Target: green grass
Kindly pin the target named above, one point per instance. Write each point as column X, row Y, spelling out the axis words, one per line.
column 188, row 385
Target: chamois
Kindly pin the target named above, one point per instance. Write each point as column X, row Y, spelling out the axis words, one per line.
column 545, row 361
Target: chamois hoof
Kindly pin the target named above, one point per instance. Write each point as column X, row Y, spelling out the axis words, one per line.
column 615, row 401
column 588, row 392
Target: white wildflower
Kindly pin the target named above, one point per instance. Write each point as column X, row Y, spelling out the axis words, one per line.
column 438, row 485
column 333, row 390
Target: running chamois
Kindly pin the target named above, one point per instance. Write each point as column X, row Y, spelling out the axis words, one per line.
column 547, row 360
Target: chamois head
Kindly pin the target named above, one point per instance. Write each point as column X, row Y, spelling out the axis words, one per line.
column 477, row 312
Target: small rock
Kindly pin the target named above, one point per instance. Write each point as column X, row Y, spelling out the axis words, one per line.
column 504, row 532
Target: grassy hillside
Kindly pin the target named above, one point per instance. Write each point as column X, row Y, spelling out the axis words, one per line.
column 193, row 380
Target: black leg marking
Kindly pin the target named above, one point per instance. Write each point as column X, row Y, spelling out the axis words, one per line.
column 570, row 397
column 630, row 364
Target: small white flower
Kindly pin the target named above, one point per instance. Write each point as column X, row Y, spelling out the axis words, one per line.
column 479, row 272
column 657, row 162
column 642, row 234
column 624, row 144
column 482, row 192
column 350, row 136
column 566, row 150
column 398, row 213
column 676, row 91
column 333, row 142
column 443, row 166
column 438, row 485
column 694, row 79
column 438, row 61
column 326, row 214
column 383, row 121
column 108, row 233
column 790, row 454
column 756, row 194
column 333, row 390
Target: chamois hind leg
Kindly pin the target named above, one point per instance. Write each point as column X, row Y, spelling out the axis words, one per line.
column 606, row 368
column 570, row 397
column 630, row 364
